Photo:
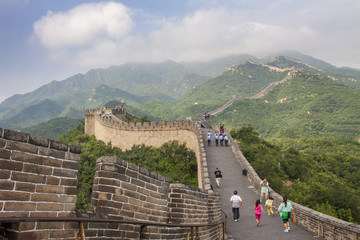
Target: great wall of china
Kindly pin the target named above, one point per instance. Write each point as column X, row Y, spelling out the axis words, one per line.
column 38, row 179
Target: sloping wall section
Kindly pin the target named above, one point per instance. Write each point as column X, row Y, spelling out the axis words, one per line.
column 125, row 135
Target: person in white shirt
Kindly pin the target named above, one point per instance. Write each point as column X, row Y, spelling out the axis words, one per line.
column 216, row 135
column 236, row 203
column 209, row 138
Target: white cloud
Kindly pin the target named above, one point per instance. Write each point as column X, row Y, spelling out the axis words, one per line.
column 99, row 35
column 83, row 25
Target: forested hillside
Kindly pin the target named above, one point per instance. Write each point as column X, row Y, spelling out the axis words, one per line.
column 309, row 105
column 243, row 80
column 53, row 128
column 320, row 173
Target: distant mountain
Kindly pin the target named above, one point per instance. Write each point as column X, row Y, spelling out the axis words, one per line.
column 43, row 111
column 215, row 67
column 347, row 76
column 8, row 125
column 134, row 83
column 163, row 91
column 243, row 80
column 308, row 105
column 309, row 60
column 53, row 128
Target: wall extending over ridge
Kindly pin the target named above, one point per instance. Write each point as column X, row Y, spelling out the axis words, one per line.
column 124, row 135
column 324, row 226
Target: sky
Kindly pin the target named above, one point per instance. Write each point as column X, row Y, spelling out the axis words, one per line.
column 46, row 40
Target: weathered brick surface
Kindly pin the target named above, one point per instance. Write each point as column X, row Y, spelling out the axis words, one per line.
column 16, row 136
column 5, row 154
column 20, row 146
column 37, row 181
column 145, row 196
column 2, row 143
column 39, row 141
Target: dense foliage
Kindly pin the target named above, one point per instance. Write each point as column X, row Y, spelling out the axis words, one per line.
column 53, row 128
column 308, row 105
column 172, row 159
column 320, row 173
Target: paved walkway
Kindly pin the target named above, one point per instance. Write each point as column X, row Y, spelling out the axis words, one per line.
column 271, row 227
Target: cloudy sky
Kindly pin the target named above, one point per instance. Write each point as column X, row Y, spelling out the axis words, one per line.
column 45, row 40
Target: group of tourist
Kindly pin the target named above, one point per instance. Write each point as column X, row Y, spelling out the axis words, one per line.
column 206, row 116
column 105, row 116
column 219, row 137
column 285, row 209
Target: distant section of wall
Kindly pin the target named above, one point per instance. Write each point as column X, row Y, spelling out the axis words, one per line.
column 125, row 135
column 38, row 178
column 128, row 192
column 320, row 224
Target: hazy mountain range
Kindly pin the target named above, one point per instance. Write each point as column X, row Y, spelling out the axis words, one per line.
column 170, row 90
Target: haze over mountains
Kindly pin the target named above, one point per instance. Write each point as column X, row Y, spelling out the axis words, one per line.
column 170, row 90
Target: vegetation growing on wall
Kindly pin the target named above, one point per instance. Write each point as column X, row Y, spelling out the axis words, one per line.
column 172, row 159
column 320, row 173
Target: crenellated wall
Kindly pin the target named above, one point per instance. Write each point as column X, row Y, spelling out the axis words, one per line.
column 124, row 135
column 128, row 192
column 38, row 178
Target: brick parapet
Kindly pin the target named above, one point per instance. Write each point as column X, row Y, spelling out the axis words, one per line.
column 38, row 178
column 124, row 135
column 125, row 191
column 323, row 225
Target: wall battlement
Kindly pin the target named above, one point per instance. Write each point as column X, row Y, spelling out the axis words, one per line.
column 38, row 178
column 125, row 135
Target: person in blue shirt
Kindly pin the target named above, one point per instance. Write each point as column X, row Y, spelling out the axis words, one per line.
column 221, row 140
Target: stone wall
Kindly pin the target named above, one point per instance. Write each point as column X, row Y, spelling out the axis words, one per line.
column 321, row 225
column 38, row 178
column 124, row 135
column 125, row 191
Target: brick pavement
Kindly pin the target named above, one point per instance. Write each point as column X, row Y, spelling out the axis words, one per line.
column 271, row 227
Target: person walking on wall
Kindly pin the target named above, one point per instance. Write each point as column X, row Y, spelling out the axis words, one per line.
column 226, row 139
column 236, row 202
column 221, row 140
column 287, row 213
column 218, row 176
column 264, row 184
column 269, row 204
column 209, row 138
column 258, row 212
column 216, row 135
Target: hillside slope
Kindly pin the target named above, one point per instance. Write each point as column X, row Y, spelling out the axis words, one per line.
column 308, row 105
